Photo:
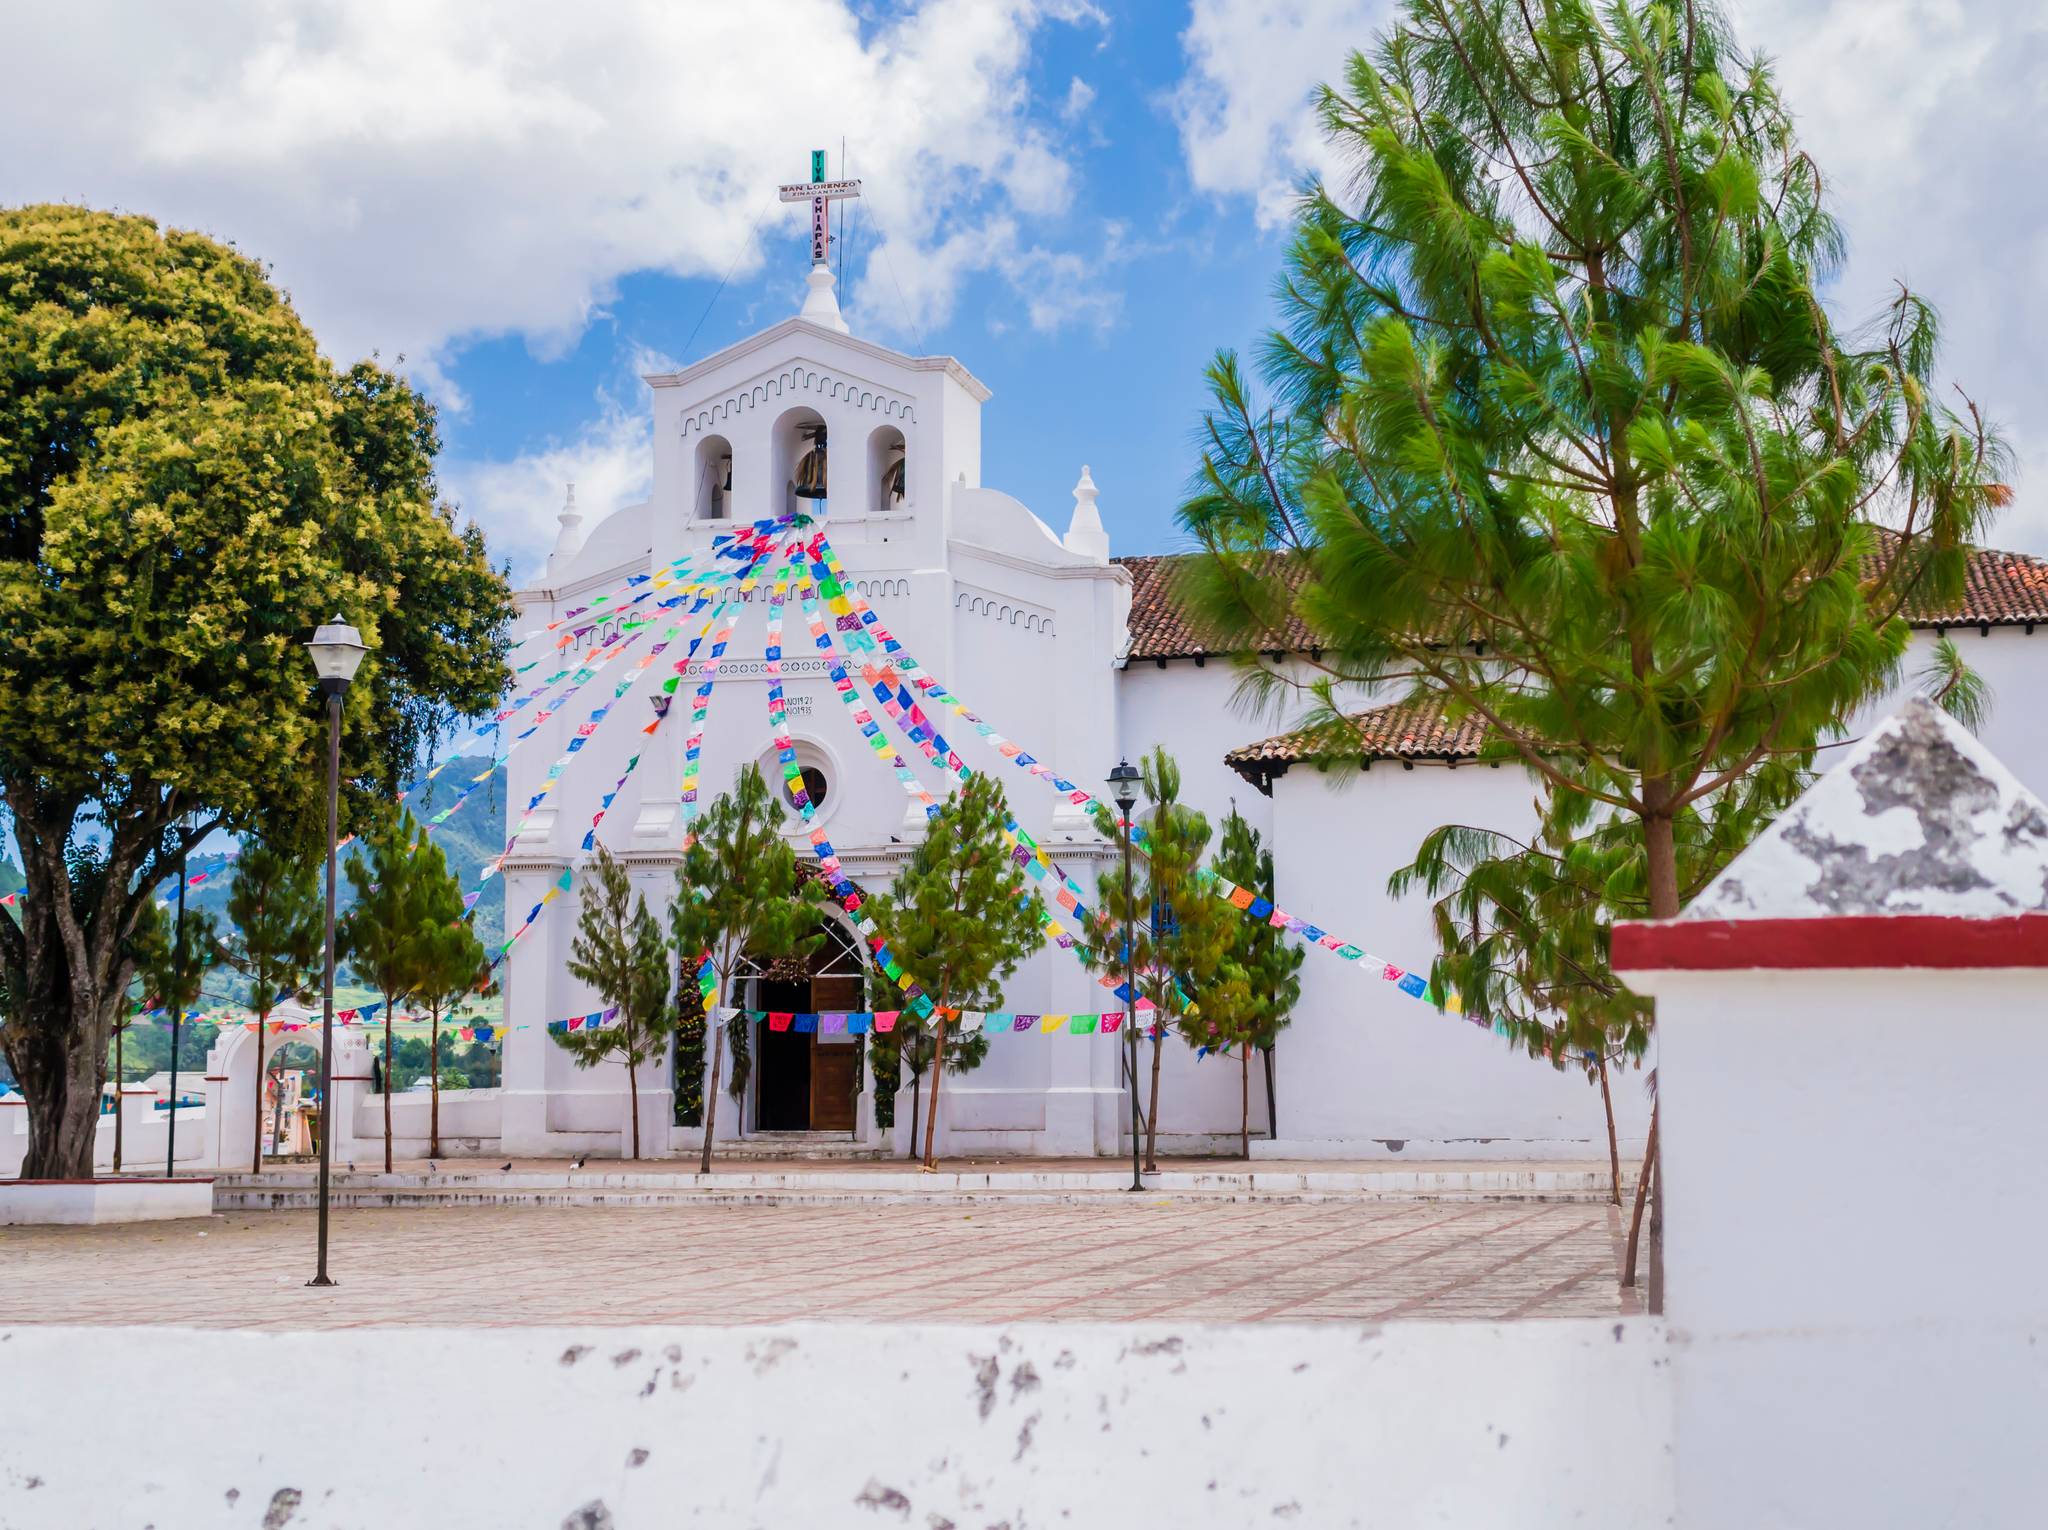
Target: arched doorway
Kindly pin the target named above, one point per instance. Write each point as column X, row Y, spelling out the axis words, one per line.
column 808, row 1079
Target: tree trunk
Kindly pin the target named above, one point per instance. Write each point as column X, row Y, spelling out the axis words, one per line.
column 61, row 1069
column 1152, row 1104
column 711, row 1095
column 931, row 1120
column 1244, row 1103
column 256, row 1136
column 1635, row 1221
column 120, row 1075
column 387, row 1086
column 916, row 1095
column 66, row 978
column 1272, row 1098
column 1613, row 1143
column 633, row 1089
column 434, row 1084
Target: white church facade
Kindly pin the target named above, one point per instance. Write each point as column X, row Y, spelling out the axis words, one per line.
column 1081, row 658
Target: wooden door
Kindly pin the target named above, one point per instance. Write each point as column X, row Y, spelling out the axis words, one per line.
column 835, row 1062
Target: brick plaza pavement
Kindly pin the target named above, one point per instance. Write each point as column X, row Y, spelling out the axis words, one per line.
column 986, row 1263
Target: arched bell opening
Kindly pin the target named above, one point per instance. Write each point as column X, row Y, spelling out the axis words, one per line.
column 888, row 471
column 800, row 461
column 713, row 480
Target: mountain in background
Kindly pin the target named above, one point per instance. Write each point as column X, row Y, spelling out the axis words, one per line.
column 471, row 840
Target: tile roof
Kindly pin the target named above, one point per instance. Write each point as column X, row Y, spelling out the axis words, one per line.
column 1163, row 627
column 1999, row 589
column 1404, row 730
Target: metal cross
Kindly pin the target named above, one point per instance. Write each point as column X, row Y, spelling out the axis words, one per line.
column 821, row 194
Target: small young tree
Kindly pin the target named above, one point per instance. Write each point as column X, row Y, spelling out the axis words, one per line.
column 277, row 923
column 148, row 953
column 738, row 895
column 620, row 953
column 380, row 933
column 449, row 966
column 960, row 917
column 1179, row 928
column 173, row 966
column 1253, row 993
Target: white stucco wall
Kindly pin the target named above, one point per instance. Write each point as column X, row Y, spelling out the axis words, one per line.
column 1531, row 1425
column 1366, row 1069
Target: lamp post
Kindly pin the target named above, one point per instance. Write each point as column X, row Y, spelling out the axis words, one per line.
column 336, row 650
column 177, row 1014
column 1120, row 787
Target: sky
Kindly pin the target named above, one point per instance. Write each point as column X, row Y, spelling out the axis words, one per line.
column 527, row 205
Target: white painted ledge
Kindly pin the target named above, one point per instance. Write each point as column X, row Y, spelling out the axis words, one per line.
column 83, row 1202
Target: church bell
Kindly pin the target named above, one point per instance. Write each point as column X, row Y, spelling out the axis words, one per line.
column 892, row 483
column 810, row 472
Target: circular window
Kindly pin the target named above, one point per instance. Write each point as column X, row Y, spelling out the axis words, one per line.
column 816, row 787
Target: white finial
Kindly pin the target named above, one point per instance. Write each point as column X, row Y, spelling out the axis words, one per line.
column 820, row 306
column 569, row 540
column 1084, row 532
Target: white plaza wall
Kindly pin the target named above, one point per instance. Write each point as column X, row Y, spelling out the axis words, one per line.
column 1530, row 1425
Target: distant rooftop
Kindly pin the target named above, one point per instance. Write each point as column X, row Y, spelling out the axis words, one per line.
column 2000, row 589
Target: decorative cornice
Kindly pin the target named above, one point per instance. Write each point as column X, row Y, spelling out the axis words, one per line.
column 1003, row 610
column 801, row 379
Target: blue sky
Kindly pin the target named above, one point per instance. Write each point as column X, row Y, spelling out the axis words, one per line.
column 1081, row 199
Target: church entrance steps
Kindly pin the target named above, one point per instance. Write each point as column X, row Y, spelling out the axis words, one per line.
column 808, row 1147
column 852, row 1183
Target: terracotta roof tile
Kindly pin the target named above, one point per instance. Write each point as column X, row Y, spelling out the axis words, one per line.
column 1405, row 730
column 1163, row 627
column 2000, row 589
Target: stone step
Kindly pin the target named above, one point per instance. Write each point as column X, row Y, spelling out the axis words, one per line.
column 295, row 1190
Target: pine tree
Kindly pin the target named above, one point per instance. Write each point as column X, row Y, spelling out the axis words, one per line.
column 960, row 917
column 449, row 965
column 1257, row 982
column 277, row 926
column 620, row 953
column 1179, row 929
column 738, row 896
column 173, row 965
column 148, row 954
column 380, row 934
column 1565, row 440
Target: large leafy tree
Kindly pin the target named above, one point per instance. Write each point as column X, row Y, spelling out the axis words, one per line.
column 961, row 917
column 449, row 966
column 187, row 487
column 383, row 931
column 738, row 896
column 620, row 952
column 1559, row 432
column 1252, row 994
column 277, row 928
column 1180, row 930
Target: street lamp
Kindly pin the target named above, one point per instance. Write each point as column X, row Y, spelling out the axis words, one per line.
column 336, row 650
column 1121, row 782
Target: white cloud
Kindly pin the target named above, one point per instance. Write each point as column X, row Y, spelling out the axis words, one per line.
column 420, row 173
column 1925, row 115
column 609, row 460
column 1244, row 107
column 1080, row 96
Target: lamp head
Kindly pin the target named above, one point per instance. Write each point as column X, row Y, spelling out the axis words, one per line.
column 1122, row 782
column 336, row 649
